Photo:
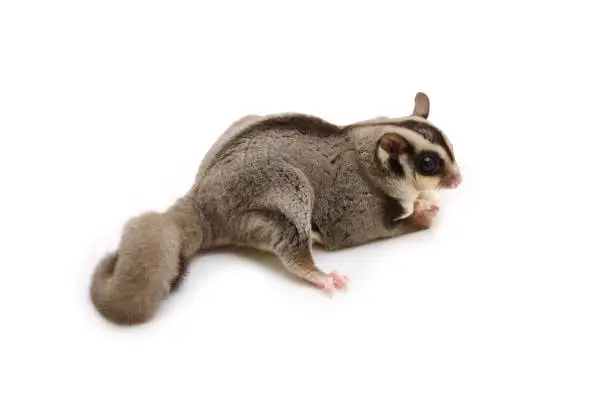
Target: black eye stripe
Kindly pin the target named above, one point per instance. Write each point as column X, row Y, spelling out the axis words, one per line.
column 396, row 167
column 427, row 131
column 430, row 133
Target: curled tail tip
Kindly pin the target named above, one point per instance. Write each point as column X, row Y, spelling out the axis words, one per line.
column 111, row 300
column 101, row 275
column 129, row 285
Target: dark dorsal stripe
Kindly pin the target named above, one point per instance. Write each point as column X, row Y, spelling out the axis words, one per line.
column 304, row 124
column 308, row 125
column 430, row 133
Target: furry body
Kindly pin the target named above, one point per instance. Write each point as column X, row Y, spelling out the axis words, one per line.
column 280, row 184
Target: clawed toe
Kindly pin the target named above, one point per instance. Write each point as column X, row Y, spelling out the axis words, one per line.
column 329, row 283
column 340, row 281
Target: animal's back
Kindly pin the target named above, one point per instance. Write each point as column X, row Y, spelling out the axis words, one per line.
column 307, row 142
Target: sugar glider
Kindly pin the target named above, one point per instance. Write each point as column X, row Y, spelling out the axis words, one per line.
column 282, row 183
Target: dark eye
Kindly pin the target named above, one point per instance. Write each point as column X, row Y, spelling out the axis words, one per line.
column 429, row 164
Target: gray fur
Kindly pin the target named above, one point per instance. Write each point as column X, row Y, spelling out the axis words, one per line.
column 266, row 183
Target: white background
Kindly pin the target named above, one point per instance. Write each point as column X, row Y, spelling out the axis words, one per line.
column 106, row 109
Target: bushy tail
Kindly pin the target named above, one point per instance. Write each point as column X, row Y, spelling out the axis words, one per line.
column 129, row 284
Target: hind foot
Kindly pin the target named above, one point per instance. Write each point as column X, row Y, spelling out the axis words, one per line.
column 329, row 283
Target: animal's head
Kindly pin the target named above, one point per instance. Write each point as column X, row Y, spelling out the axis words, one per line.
column 414, row 148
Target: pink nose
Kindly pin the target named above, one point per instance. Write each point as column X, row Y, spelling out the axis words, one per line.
column 455, row 180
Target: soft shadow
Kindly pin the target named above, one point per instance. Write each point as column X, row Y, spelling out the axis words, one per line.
column 268, row 260
column 272, row 263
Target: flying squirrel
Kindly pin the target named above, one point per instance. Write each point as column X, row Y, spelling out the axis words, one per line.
column 282, row 183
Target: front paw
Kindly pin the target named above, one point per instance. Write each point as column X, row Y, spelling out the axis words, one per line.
column 424, row 213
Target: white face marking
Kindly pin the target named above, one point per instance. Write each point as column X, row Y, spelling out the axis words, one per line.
column 418, row 141
column 423, row 120
column 427, row 182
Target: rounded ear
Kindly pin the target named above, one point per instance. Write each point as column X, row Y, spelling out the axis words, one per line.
column 393, row 144
column 421, row 105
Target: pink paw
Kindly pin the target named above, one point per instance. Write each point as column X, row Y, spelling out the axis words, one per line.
column 327, row 285
column 340, row 281
column 424, row 213
column 331, row 282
